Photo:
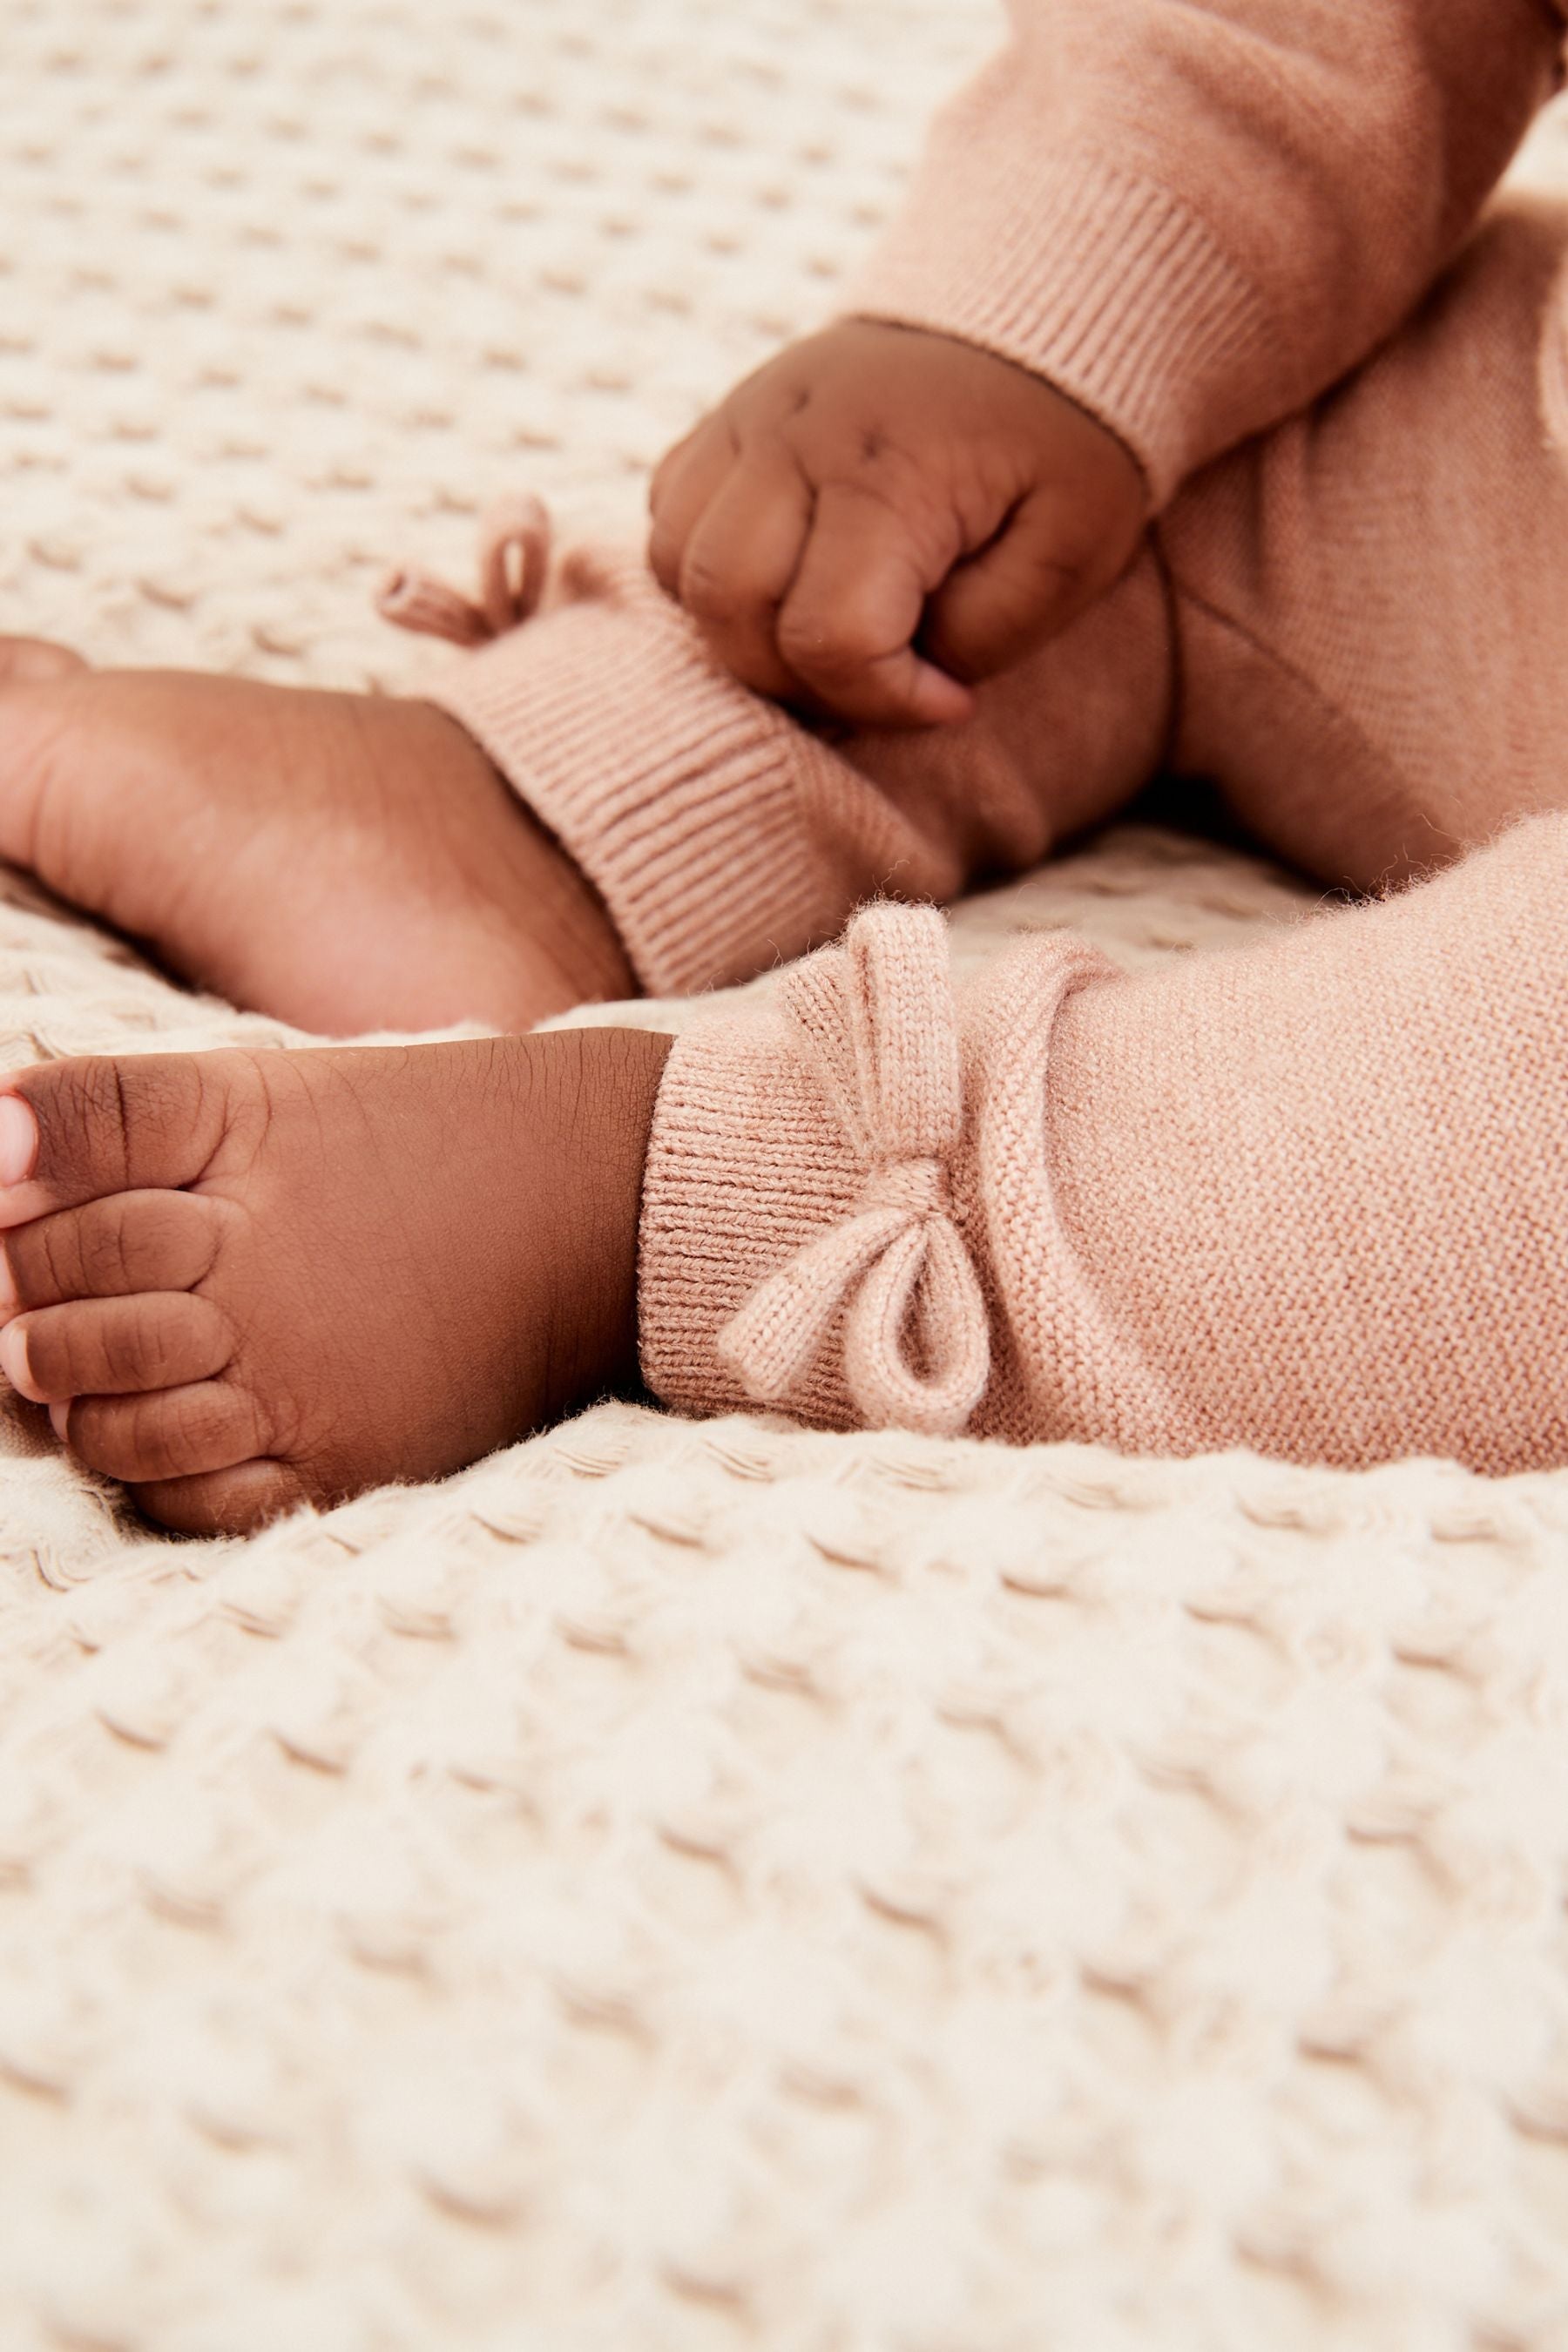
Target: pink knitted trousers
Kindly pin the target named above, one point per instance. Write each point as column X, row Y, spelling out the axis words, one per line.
column 1307, row 1198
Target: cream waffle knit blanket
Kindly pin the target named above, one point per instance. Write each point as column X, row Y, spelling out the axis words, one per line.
column 685, row 1886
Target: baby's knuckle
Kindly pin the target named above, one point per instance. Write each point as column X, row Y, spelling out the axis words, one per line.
column 148, row 1452
column 38, row 1259
column 143, row 1247
column 103, row 1256
column 873, row 469
column 77, row 1098
column 127, row 1356
column 830, row 649
column 148, row 1359
column 707, row 589
column 170, row 1440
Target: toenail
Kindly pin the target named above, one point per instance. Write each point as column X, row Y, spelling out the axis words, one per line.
column 19, row 1139
column 9, row 1302
column 60, row 1414
column 14, row 1357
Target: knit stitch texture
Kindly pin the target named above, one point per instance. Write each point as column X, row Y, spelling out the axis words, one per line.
column 687, row 1885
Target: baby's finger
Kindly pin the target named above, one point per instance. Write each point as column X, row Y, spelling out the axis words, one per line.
column 686, row 478
column 1018, row 592
column 846, row 627
column 740, row 558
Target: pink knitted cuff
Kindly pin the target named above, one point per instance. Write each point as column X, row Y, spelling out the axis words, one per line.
column 801, row 1240
column 675, row 791
column 744, row 1168
column 1098, row 281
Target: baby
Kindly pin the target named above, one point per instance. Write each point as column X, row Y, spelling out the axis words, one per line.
column 1186, row 419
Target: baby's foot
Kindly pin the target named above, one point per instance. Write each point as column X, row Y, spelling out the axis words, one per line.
column 245, row 1280
column 345, row 862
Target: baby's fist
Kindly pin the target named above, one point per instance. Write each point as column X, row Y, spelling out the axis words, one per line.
column 881, row 514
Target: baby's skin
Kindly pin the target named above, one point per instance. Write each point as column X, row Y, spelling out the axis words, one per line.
column 881, row 517
column 245, row 1281
column 346, row 862
column 876, row 515
column 242, row 1281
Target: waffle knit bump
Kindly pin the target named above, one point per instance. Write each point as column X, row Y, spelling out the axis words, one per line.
column 875, row 1021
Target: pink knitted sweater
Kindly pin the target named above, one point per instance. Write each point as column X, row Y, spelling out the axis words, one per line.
column 1306, row 1198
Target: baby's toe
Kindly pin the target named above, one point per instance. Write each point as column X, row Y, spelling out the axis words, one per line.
column 115, row 1346
column 181, row 1433
column 36, row 661
column 225, row 1502
column 76, row 1131
column 111, row 1249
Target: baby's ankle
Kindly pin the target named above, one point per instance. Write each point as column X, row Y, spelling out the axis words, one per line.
column 562, row 921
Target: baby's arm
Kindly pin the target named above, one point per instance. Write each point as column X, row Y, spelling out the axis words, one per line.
column 1179, row 221
column 1194, row 215
column 723, row 836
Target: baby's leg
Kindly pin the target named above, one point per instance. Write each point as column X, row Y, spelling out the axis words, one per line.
column 1305, row 1196
column 1373, row 599
column 354, row 862
column 726, row 838
column 244, row 1281
column 349, row 862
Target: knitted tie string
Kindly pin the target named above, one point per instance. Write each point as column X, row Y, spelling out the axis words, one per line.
column 514, row 558
column 875, row 1021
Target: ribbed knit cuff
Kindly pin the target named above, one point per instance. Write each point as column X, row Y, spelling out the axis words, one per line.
column 745, row 1167
column 675, row 791
column 1097, row 280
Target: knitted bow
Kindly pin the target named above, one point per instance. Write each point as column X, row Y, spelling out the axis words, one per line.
column 876, row 1020
column 514, row 556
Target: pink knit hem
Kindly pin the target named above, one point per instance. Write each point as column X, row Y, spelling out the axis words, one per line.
column 1143, row 318
column 675, row 791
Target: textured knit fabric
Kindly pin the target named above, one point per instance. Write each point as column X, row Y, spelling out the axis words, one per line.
column 1372, row 602
column 875, row 1022
column 723, row 837
column 686, row 1883
column 1307, row 1198
column 1355, row 622
column 1195, row 214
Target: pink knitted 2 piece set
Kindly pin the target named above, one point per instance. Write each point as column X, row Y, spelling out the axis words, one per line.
column 1308, row 1197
